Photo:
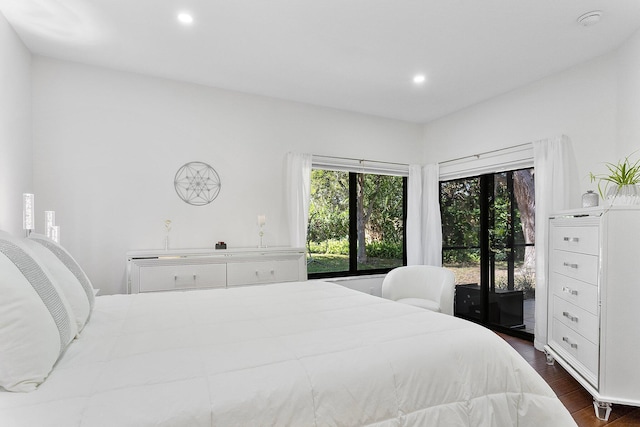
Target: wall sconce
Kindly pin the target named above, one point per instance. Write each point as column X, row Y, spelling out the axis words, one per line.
column 28, row 205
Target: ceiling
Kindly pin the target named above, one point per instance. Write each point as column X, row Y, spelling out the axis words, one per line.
column 356, row 55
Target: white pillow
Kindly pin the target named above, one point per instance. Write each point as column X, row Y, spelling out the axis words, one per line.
column 35, row 321
column 79, row 292
column 65, row 280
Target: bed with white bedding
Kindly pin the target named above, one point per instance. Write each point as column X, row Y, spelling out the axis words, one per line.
column 288, row 354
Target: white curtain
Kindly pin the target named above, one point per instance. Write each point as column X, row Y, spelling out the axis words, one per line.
column 424, row 227
column 433, row 222
column 414, row 216
column 298, row 184
column 556, row 185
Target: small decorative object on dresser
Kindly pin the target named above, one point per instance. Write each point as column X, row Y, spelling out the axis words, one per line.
column 593, row 300
column 262, row 220
column 590, row 199
column 621, row 183
column 167, row 230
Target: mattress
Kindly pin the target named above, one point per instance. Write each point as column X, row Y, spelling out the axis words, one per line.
column 288, row 354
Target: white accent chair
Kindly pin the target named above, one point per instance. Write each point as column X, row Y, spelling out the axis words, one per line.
column 423, row 286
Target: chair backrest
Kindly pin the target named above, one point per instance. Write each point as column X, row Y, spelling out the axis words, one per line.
column 421, row 281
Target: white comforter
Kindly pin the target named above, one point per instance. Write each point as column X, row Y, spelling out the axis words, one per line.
column 292, row 354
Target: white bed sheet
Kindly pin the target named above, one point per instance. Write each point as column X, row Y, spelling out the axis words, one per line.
column 298, row 354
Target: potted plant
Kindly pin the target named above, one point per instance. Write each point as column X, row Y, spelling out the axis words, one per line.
column 619, row 186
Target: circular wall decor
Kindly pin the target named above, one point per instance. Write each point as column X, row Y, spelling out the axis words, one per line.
column 197, row 183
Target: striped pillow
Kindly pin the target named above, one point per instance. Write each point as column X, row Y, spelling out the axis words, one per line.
column 72, row 280
column 36, row 323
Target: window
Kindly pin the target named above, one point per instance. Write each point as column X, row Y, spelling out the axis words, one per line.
column 488, row 225
column 356, row 223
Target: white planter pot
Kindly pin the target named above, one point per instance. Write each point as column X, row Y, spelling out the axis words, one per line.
column 625, row 195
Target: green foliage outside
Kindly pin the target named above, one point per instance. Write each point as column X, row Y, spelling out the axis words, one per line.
column 329, row 207
column 461, row 256
column 460, row 212
column 461, row 220
column 341, row 247
column 325, row 263
column 380, row 218
column 460, row 209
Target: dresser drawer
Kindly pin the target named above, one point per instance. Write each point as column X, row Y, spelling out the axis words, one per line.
column 574, row 265
column 576, row 349
column 582, row 294
column 171, row 277
column 576, row 318
column 583, row 239
column 249, row 273
column 167, row 270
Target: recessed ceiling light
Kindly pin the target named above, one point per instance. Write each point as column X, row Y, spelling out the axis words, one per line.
column 185, row 18
column 419, row 79
column 590, row 18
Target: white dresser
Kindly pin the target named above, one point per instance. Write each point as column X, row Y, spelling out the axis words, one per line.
column 594, row 301
column 159, row 270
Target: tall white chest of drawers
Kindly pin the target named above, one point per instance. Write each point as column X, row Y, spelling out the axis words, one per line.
column 594, row 301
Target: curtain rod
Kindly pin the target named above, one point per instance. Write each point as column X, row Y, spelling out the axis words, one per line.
column 359, row 160
column 477, row 156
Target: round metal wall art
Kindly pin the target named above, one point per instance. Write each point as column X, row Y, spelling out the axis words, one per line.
column 197, row 183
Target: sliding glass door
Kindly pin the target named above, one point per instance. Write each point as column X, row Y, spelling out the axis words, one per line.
column 488, row 227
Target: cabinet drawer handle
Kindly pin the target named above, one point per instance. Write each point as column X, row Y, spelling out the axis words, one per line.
column 571, row 239
column 273, row 272
column 569, row 291
column 571, row 344
column 570, row 265
column 257, row 273
column 570, row 316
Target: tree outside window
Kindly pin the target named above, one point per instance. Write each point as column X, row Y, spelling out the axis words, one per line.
column 488, row 230
column 356, row 223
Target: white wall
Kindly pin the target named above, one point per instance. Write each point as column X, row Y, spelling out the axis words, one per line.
column 580, row 102
column 597, row 104
column 629, row 98
column 107, row 145
column 16, row 173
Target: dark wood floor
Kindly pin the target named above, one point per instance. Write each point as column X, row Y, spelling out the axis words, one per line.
column 570, row 392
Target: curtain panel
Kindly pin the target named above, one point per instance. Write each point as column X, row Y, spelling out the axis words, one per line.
column 298, row 189
column 556, row 183
column 424, row 225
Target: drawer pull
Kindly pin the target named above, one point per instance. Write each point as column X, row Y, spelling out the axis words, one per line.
column 570, row 265
column 273, row 272
column 570, row 316
column 569, row 290
column 175, row 278
column 194, row 277
column 257, row 273
column 571, row 344
column 571, row 239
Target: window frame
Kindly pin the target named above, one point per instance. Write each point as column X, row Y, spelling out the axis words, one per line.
column 486, row 188
column 353, row 230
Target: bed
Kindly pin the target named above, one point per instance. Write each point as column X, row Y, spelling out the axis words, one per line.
column 287, row 354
